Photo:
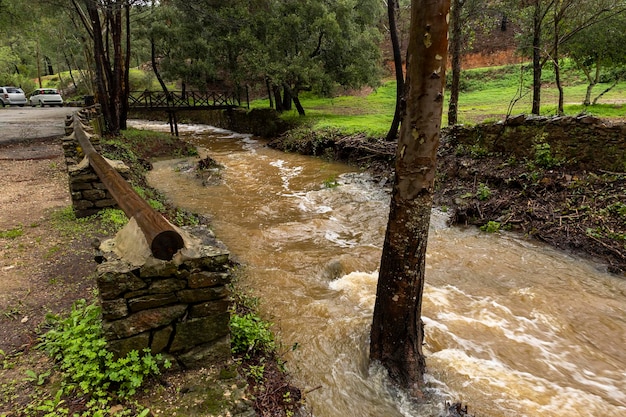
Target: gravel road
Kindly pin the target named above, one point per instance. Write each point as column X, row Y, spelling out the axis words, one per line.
column 23, row 123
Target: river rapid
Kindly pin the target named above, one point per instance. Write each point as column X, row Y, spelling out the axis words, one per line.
column 512, row 328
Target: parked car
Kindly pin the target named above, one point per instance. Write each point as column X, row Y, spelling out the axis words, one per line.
column 12, row 96
column 46, row 97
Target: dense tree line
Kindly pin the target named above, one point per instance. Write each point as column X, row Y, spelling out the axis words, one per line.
column 282, row 48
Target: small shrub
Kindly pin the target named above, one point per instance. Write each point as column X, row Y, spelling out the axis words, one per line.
column 113, row 219
column 156, row 205
column 77, row 344
column 491, row 227
column 483, row 193
column 250, row 333
column 543, row 156
column 331, row 182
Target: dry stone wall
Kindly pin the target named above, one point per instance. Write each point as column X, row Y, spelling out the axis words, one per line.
column 582, row 142
column 89, row 195
column 179, row 308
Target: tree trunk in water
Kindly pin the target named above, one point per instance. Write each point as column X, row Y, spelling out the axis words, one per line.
column 397, row 60
column 537, row 58
column 397, row 329
column 455, row 50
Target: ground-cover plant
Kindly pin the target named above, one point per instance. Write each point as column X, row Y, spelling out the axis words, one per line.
column 77, row 345
column 12, row 233
column 255, row 350
column 250, row 333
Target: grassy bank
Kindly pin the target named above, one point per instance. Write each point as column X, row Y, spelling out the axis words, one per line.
column 487, row 95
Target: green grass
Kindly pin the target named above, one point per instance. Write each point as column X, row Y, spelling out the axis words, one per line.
column 487, row 94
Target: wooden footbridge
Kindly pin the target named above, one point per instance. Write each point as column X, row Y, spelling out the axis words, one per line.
column 173, row 101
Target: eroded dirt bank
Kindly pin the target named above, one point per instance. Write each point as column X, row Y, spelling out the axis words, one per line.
column 540, row 195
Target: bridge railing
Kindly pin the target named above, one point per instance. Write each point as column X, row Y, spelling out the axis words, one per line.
column 159, row 99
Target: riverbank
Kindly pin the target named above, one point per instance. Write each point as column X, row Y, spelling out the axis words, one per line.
column 540, row 196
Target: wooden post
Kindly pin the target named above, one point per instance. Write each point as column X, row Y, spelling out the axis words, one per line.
column 164, row 241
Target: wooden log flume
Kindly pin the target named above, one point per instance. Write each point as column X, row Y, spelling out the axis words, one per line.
column 164, row 241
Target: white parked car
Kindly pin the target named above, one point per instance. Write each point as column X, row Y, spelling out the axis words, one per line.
column 12, row 96
column 46, row 97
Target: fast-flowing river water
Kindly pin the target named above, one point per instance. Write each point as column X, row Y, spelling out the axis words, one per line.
column 512, row 328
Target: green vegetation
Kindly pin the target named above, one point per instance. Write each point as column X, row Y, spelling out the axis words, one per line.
column 491, row 227
column 249, row 333
column 483, row 192
column 12, row 233
column 331, row 182
column 113, row 219
column 77, row 344
column 486, row 96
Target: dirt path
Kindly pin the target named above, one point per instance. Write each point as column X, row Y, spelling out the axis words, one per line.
column 41, row 266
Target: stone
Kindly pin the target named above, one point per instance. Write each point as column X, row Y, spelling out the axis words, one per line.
column 122, row 347
column 213, row 352
column 80, row 186
column 94, row 195
column 163, row 286
column 82, row 204
column 202, row 294
column 114, row 309
column 147, row 302
column 143, row 321
column 154, row 267
column 105, row 203
column 161, row 339
column 208, row 258
column 112, row 283
column 199, row 331
column 209, row 308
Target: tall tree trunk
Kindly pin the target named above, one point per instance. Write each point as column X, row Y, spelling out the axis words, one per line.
column 287, row 99
column 155, row 69
column 69, row 68
column 555, row 59
column 278, row 98
column 397, row 330
column 125, row 91
column 106, row 26
column 455, row 50
column 296, row 102
column 397, row 61
column 269, row 92
column 537, row 18
column 100, row 63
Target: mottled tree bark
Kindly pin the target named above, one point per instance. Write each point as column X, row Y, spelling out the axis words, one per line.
column 397, row 331
column 397, row 61
column 455, row 51
column 537, row 19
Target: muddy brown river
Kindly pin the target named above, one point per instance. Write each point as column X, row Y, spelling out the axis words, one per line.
column 512, row 328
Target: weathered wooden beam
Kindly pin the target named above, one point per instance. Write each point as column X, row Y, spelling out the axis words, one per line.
column 164, row 241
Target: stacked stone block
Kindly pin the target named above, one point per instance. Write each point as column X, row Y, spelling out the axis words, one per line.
column 89, row 195
column 179, row 308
